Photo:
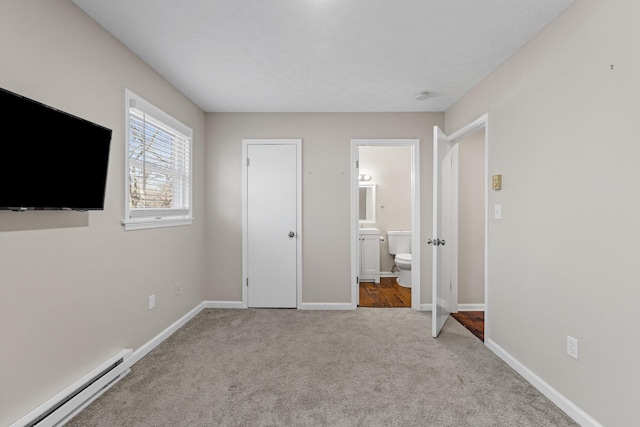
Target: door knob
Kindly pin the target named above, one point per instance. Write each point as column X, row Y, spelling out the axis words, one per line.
column 291, row 234
column 435, row 242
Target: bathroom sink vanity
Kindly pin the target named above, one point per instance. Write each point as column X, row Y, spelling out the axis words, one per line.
column 369, row 245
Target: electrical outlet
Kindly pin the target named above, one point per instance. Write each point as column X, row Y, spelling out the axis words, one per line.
column 152, row 301
column 572, row 347
column 178, row 288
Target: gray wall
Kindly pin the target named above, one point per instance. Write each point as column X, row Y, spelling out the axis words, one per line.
column 471, row 222
column 326, row 145
column 564, row 258
column 74, row 286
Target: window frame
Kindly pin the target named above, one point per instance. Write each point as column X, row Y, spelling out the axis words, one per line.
column 145, row 218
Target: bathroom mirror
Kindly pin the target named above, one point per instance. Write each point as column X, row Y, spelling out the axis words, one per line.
column 367, row 203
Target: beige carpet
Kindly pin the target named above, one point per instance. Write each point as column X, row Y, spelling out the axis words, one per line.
column 368, row 367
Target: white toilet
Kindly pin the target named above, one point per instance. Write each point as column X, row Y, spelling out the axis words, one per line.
column 400, row 247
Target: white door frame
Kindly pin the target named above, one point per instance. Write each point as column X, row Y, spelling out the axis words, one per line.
column 477, row 125
column 415, row 214
column 298, row 144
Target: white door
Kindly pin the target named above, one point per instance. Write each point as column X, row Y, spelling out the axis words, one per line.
column 441, row 230
column 272, row 229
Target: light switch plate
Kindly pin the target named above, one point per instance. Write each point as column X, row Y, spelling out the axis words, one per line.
column 497, row 212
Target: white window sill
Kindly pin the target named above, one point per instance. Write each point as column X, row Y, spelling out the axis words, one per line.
column 147, row 223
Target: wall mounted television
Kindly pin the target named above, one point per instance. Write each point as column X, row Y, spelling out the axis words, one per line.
column 51, row 160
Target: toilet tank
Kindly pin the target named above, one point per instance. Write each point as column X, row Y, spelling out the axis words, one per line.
column 399, row 242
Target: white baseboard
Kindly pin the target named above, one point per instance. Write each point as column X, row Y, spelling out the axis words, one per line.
column 303, row 306
column 570, row 408
column 327, row 306
column 470, row 307
column 461, row 307
column 387, row 274
column 223, row 304
column 155, row 341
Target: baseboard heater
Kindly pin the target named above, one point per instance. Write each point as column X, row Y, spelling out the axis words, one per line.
column 63, row 406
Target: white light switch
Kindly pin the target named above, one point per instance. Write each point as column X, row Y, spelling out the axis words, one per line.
column 497, row 212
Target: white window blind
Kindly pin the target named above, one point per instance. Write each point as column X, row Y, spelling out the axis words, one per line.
column 158, row 167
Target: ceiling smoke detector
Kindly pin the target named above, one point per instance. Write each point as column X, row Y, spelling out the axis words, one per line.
column 422, row 96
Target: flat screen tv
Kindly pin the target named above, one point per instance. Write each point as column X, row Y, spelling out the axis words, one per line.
column 51, row 160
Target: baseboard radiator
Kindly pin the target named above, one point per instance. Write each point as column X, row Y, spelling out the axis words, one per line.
column 62, row 407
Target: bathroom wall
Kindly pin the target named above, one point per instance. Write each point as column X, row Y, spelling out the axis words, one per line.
column 471, row 219
column 390, row 169
column 326, row 193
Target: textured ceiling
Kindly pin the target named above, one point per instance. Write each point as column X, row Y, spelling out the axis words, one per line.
column 323, row 55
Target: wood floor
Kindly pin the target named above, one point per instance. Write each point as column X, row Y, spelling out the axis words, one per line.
column 387, row 293
column 473, row 321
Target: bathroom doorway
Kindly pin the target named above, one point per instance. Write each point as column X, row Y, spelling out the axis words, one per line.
column 385, row 189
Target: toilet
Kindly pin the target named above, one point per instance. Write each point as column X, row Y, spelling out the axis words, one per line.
column 399, row 243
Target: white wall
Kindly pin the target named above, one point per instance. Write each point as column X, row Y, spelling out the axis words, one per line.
column 326, row 145
column 564, row 258
column 74, row 286
column 390, row 169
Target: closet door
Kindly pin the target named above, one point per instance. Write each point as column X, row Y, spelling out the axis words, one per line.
column 272, row 229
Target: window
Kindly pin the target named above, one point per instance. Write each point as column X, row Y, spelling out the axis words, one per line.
column 158, row 167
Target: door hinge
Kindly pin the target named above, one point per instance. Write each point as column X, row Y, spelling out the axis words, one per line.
column 357, row 164
column 247, row 281
column 247, row 161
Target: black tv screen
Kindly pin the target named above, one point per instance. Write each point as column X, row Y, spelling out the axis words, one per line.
column 50, row 159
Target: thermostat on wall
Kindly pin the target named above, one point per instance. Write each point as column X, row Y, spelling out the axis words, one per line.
column 496, row 182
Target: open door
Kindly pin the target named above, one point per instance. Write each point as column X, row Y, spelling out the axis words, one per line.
column 441, row 302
